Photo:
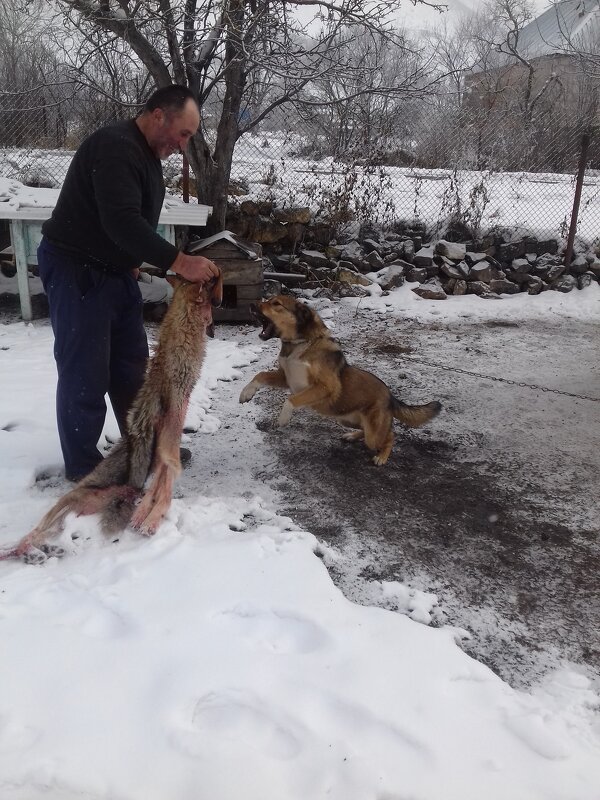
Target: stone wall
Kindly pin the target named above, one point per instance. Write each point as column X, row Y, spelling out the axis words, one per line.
column 304, row 254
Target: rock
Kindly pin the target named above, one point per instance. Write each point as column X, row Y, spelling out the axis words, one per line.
column 375, row 260
column 353, row 252
column 392, row 277
column 503, row 286
column 546, row 246
column 511, row 250
column 314, row 258
column 583, row 281
column 451, row 271
column 530, row 244
column 407, row 250
column 464, row 269
column 545, row 264
column 478, row 287
column 565, row 283
column 595, row 267
column 522, row 265
column 452, row 250
column 323, row 274
column 326, row 292
column 350, row 277
column 345, row 265
column 283, row 261
column 448, row 286
column 555, row 272
column 473, row 258
column 424, row 257
column 417, row 274
column 370, row 246
column 432, row 290
column 271, row 288
column 578, row 265
column 517, row 277
column 535, row 284
column 481, row 272
column 349, row 290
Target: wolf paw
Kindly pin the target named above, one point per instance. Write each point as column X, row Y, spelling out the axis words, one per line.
column 34, row 555
column 248, row 392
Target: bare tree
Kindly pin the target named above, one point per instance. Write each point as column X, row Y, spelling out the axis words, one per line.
column 30, row 77
column 358, row 109
column 241, row 58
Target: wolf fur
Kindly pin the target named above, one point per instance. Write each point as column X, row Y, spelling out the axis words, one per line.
column 151, row 444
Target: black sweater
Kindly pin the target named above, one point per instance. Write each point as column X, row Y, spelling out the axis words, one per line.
column 110, row 202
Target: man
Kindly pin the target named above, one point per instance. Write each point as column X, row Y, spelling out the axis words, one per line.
column 102, row 228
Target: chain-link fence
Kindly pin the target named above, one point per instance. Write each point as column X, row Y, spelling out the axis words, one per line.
column 434, row 162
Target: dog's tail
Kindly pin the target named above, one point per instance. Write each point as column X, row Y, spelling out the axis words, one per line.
column 415, row 416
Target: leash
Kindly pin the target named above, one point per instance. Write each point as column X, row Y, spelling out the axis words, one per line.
column 534, row 386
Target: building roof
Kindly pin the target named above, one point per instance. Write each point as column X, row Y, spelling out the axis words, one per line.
column 561, row 27
column 563, row 23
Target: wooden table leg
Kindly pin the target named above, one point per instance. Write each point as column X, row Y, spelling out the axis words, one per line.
column 18, row 242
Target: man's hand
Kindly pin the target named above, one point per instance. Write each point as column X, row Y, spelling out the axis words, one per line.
column 195, row 269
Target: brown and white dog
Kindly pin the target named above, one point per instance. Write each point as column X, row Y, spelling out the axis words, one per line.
column 154, row 425
column 312, row 366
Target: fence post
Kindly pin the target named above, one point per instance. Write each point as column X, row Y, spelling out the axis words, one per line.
column 585, row 143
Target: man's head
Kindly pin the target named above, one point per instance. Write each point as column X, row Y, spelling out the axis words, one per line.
column 170, row 118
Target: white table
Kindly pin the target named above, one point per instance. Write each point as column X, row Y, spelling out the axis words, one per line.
column 26, row 233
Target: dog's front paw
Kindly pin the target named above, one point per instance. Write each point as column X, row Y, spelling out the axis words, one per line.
column 248, row 392
column 286, row 414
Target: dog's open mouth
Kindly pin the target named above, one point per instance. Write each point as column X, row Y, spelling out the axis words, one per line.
column 268, row 327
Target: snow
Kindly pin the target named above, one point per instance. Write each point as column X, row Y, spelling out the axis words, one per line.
column 539, row 204
column 219, row 660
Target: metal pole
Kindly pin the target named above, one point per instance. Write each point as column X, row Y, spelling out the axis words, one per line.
column 585, row 143
column 185, row 181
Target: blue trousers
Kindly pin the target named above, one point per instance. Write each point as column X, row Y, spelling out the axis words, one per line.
column 100, row 348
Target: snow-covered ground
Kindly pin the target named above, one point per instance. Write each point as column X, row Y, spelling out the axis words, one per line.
column 218, row 660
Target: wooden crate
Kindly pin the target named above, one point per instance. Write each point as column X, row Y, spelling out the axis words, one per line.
column 241, row 264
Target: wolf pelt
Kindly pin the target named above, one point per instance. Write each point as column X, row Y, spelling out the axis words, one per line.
column 151, row 444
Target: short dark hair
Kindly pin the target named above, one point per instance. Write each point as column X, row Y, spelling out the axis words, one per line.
column 170, row 98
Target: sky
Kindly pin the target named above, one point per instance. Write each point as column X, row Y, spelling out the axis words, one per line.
column 218, row 659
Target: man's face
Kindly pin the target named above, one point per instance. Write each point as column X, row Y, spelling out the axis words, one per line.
column 171, row 132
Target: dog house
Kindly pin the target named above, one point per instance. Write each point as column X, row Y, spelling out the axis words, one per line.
column 241, row 264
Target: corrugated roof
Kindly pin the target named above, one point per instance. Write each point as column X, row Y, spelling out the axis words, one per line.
column 560, row 24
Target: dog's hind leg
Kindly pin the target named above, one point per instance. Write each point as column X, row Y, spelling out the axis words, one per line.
column 353, row 436
column 379, row 435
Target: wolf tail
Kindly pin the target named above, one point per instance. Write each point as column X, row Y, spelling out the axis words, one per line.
column 415, row 416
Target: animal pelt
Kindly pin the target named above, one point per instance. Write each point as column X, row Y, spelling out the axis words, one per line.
column 115, row 488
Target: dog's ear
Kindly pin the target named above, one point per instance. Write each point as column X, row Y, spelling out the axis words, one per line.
column 304, row 317
column 216, row 290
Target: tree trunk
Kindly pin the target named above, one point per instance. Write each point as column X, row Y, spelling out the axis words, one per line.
column 213, row 173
